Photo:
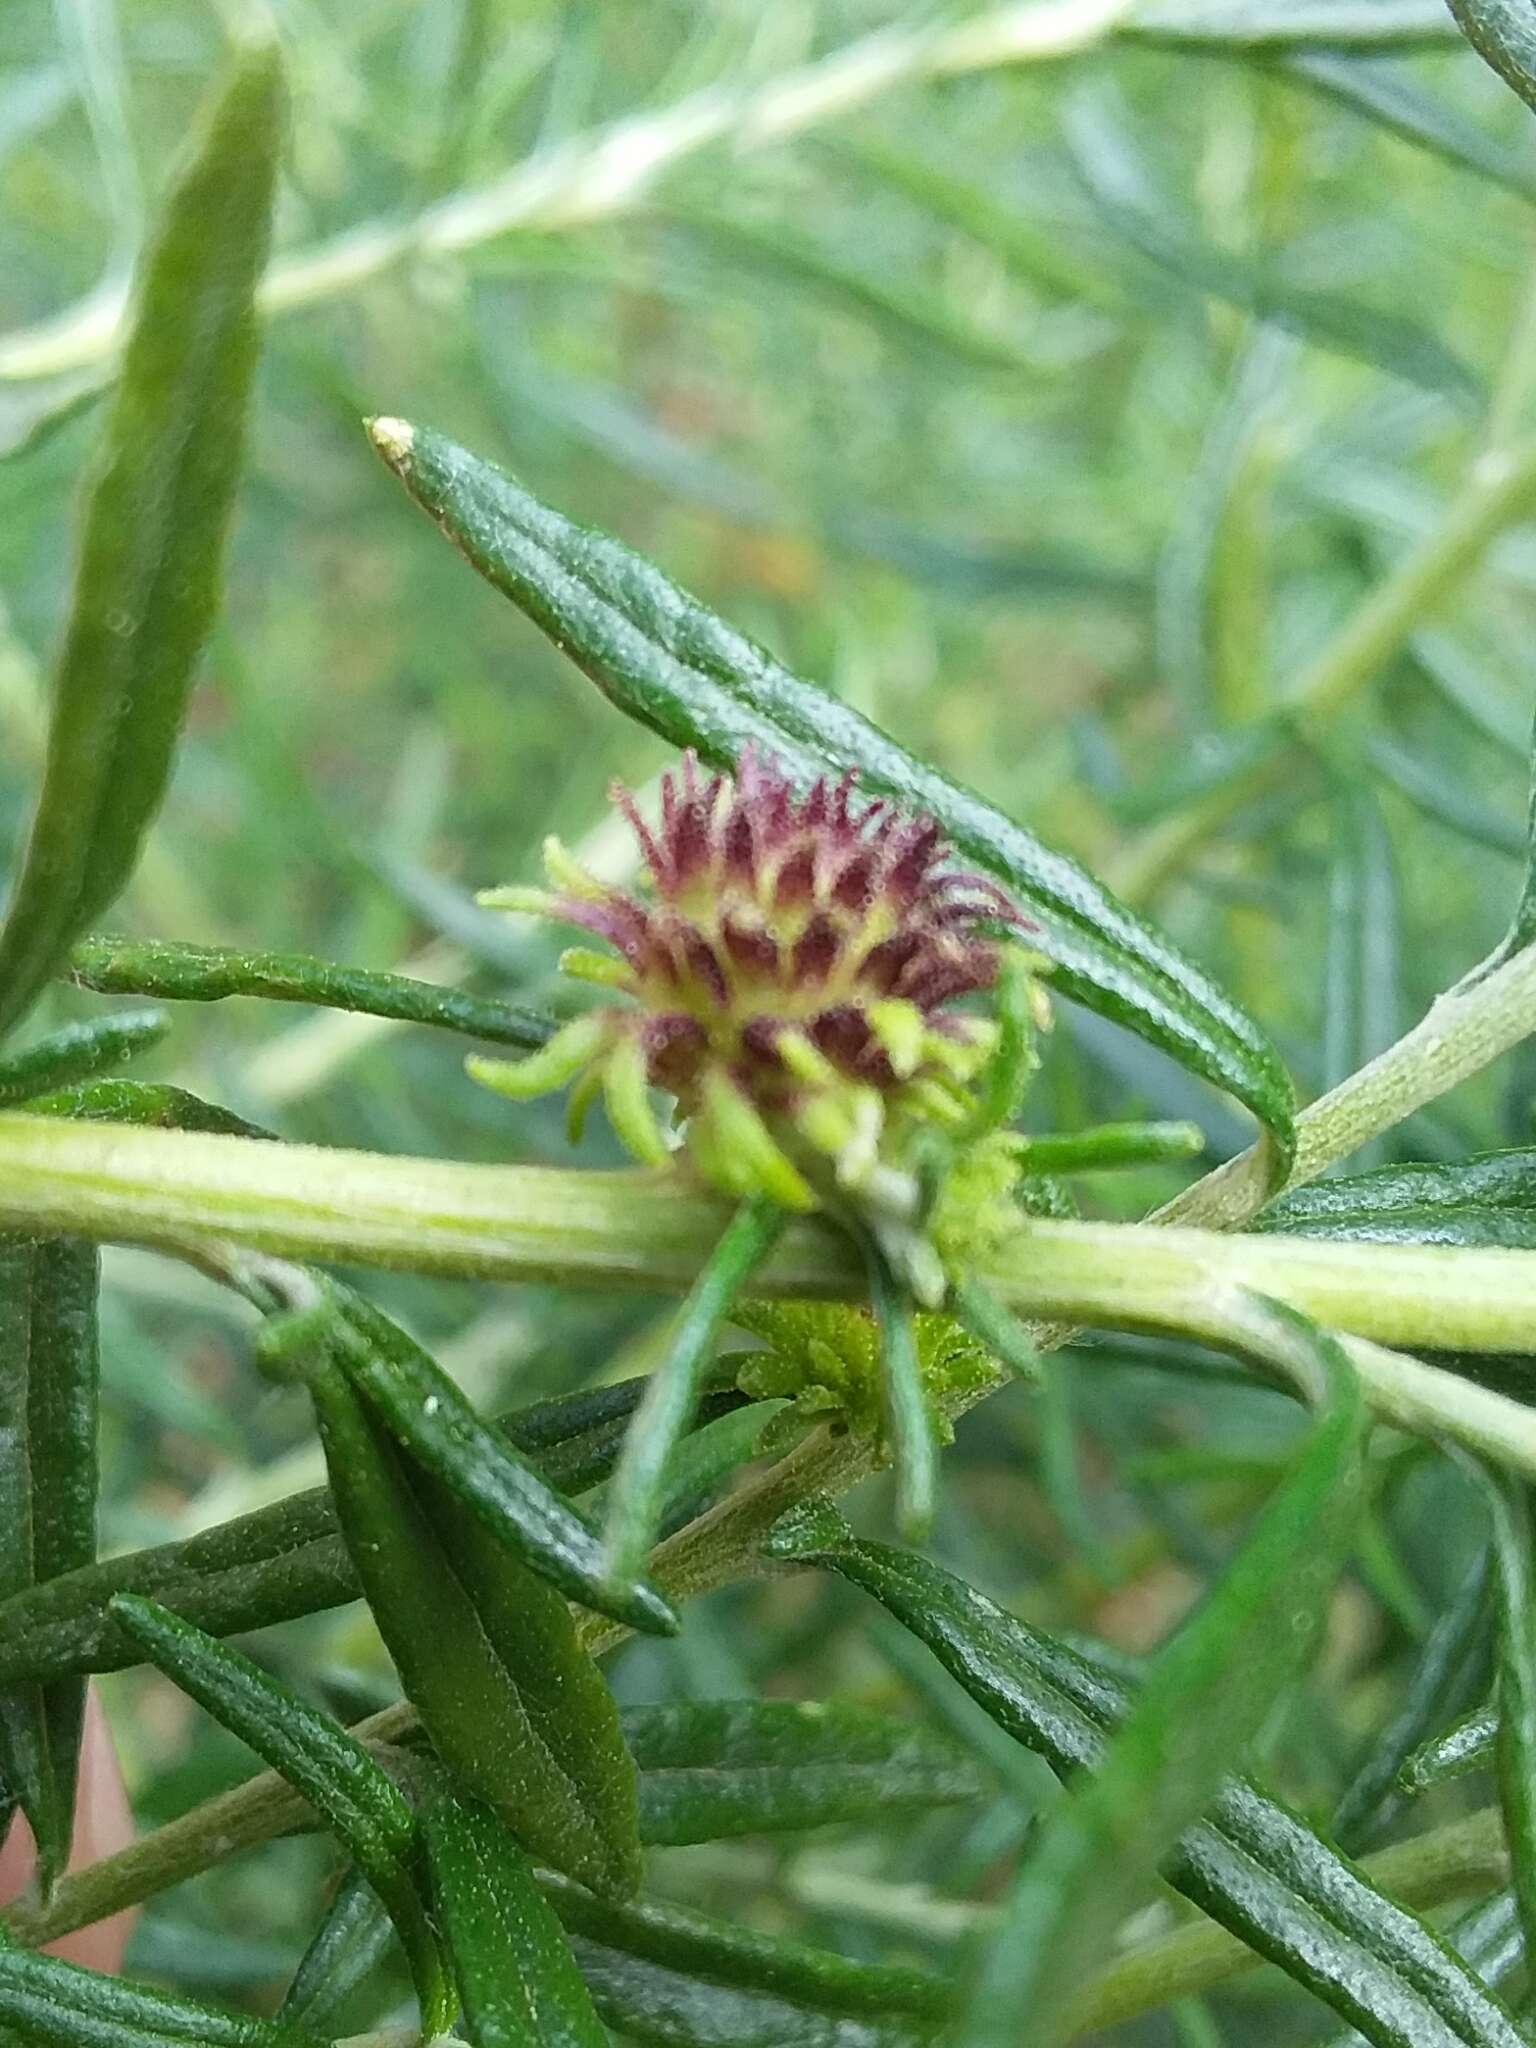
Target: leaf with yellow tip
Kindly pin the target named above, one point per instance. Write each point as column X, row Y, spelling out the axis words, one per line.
column 626, row 1096
column 551, row 1067
column 605, row 970
column 900, row 1029
column 568, row 874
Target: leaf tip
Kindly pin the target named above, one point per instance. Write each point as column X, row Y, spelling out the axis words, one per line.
column 394, row 440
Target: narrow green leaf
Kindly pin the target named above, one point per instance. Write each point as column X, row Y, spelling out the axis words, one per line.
column 57, row 2005
column 1229, row 25
column 1205, row 1697
column 154, row 524
column 1488, row 1200
column 1504, row 35
column 904, row 1402
column 637, row 1493
column 1361, row 995
column 278, row 1562
column 1431, row 787
column 210, row 974
column 1451, row 1670
column 487, row 1652
column 48, row 1482
column 65, row 1058
column 1105, row 1146
column 517, row 1977
column 350, row 1942
column 1466, row 1747
column 362, row 1806
column 1104, row 161
column 715, row 1768
column 665, row 660
column 1385, row 92
column 1515, row 1744
column 1251, row 1864
column 430, row 1418
column 663, row 1973
column 156, row 1103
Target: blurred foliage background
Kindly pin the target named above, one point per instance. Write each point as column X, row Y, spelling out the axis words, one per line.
column 1058, row 416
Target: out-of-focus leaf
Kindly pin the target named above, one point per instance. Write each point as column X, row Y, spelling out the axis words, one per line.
column 1434, row 791
column 1451, row 1670
column 486, row 1650
column 154, row 526
column 1515, row 1744
column 664, row 659
column 1252, row 1864
column 1269, row 24
column 663, row 1974
column 712, row 1768
column 1361, row 995
column 48, row 1482
column 67, row 1057
column 1489, row 1200
column 1385, row 92
column 349, row 1943
column 517, row 1977
column 430, row 1418
column 57, row 2005
column 363, row 1807
column 1503, row 35
column 207, row 974
column 281, row 1561
column 1204, row 1699
column 1387, row 341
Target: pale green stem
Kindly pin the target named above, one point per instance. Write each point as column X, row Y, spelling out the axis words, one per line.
column 1499, row 487
column 1457, row 1861
column 595, row 177
column 1463, row 1032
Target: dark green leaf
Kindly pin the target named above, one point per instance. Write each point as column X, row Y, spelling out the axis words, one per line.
column 348, row 1945
column 487, row 1652
column 713, row 1768
column 662, row 1973
column 517, row 1977
column 279, row 1561
column 155, row 1103
column 638, row 1490
column 1490, row 1200
column 1251, row 1864
column 48, row 1479
column 67, row 1057
column 56, row 2005
column 1515, row 1743
column 154, row 525
column 1451, row 1670
column 1361, row 1000
column 207, row 974
column 1503, row 34
column 664, row 659
column 430, row 1418
column 361, row 1805
column 1205, row 1697
column 904, row 1402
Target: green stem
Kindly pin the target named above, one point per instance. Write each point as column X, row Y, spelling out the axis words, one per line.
column 595, row 177
column 1499, row 488
column 1463, row 1031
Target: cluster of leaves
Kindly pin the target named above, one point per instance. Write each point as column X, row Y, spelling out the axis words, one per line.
column 491, row 1824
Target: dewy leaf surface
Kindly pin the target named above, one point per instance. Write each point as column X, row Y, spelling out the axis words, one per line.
column 666, row 660
column 48, row 1482
column 155, row 520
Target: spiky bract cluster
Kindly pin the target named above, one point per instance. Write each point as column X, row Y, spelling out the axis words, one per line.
column 791, row 972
